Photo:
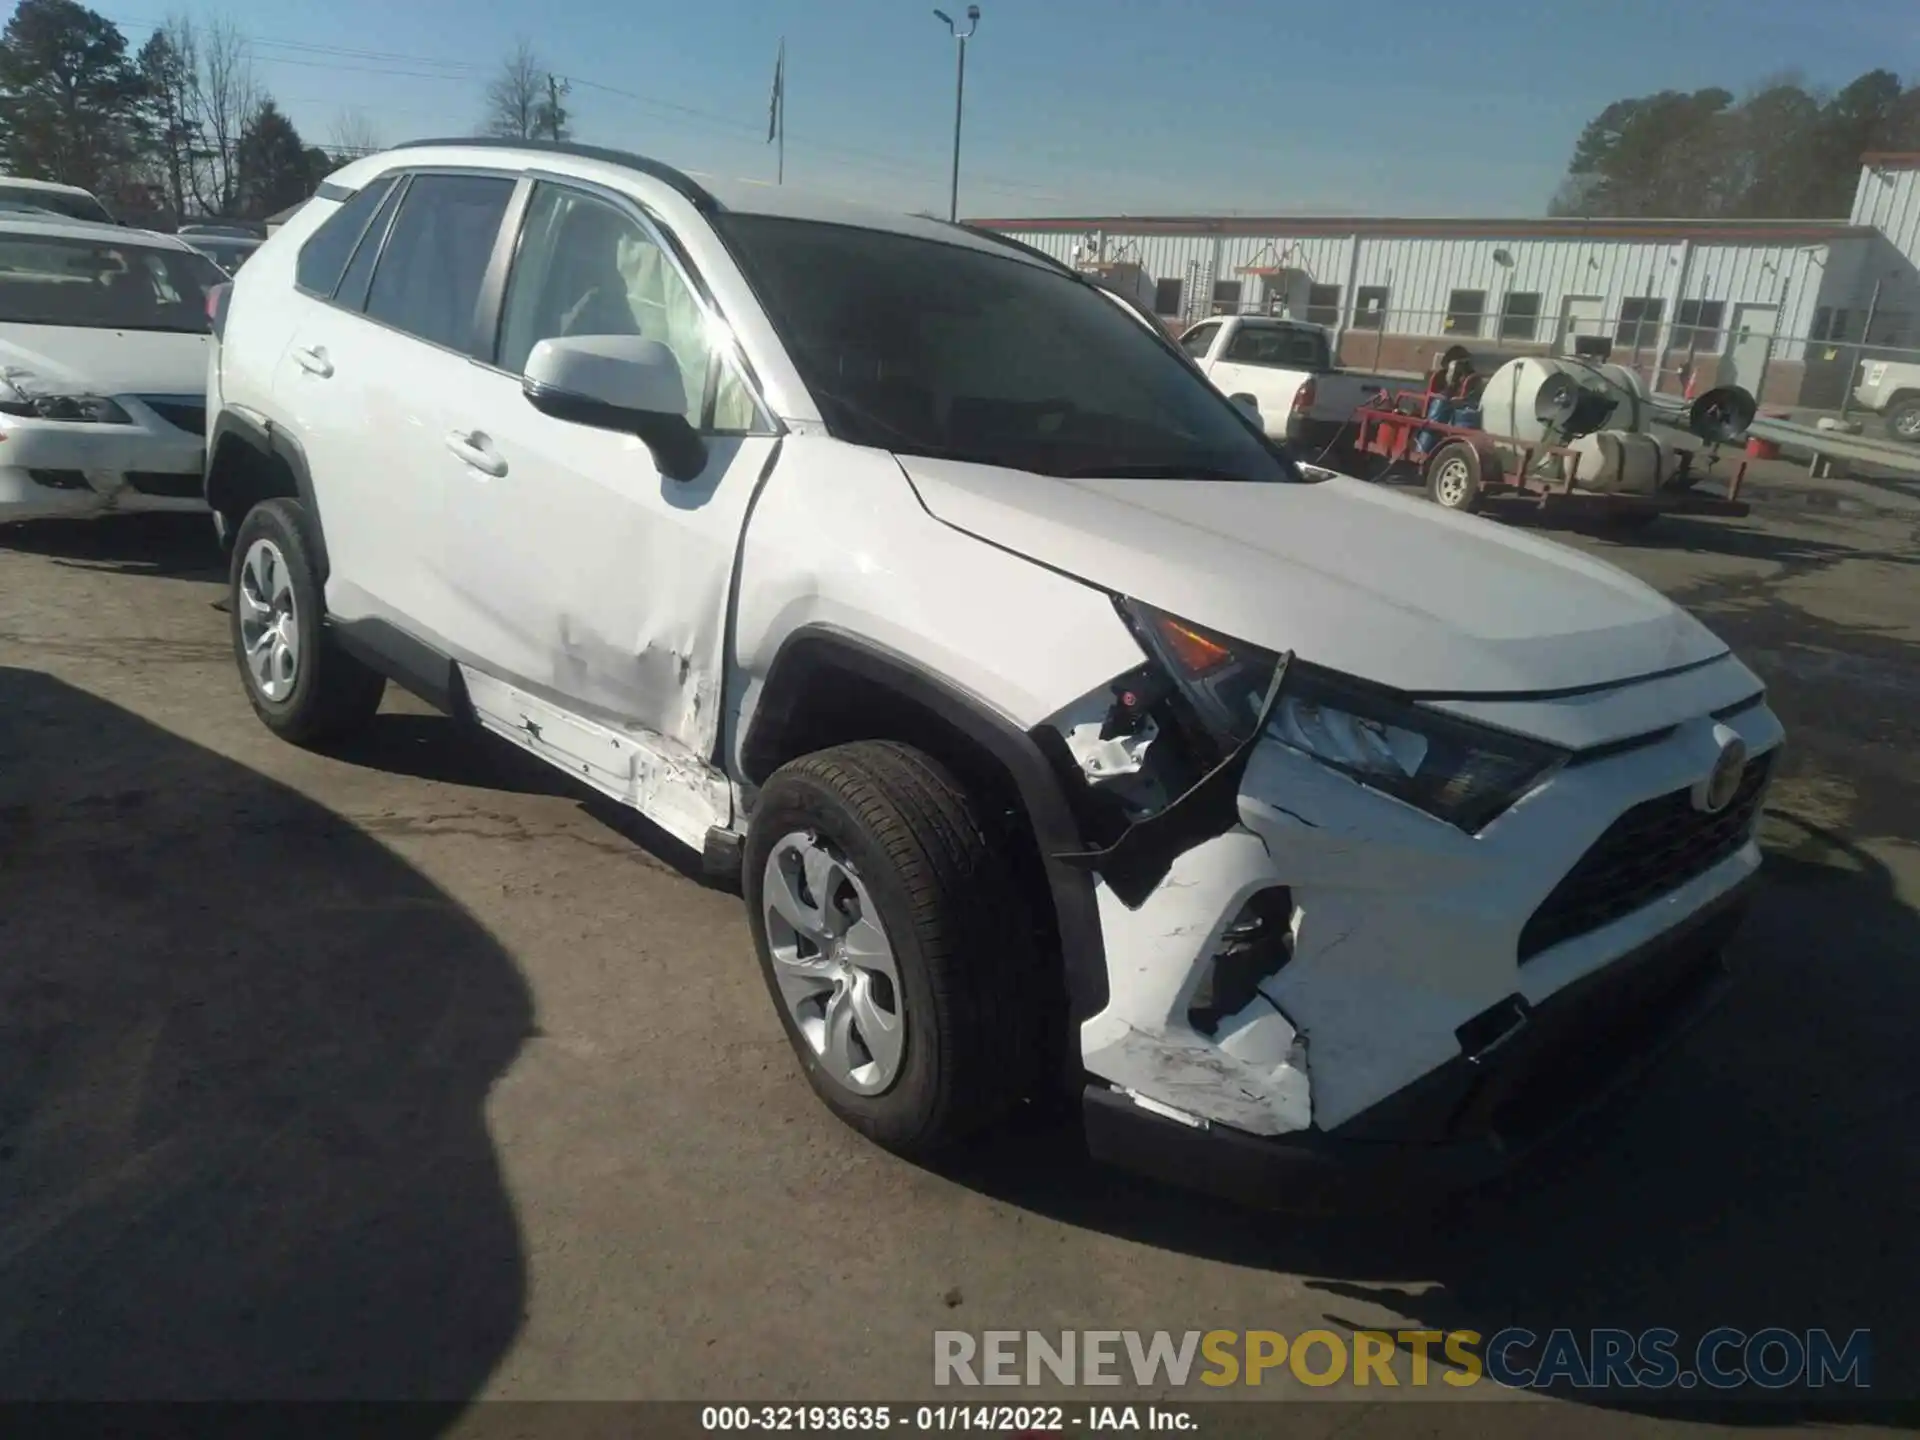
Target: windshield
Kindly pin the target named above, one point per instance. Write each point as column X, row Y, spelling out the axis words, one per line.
column 47, row 280
column 927, row 348
column 58, row 202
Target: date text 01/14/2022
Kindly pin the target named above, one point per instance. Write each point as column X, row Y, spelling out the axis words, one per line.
column 982, row 1419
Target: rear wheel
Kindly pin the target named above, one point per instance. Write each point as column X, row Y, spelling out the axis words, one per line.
column 894, row 943
column 302, row 687
column 1903, row 419
column 1453, row 477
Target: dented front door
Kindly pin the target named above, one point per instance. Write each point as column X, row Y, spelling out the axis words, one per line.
column 582, row 574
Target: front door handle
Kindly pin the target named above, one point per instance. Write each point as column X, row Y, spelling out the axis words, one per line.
column 314, row 362
column 477, row 450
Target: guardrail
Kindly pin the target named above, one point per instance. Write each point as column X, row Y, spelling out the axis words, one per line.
column 1824, row 446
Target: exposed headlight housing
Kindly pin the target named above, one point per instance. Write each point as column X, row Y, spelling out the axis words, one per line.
column 1455, row 770
column 21, row 393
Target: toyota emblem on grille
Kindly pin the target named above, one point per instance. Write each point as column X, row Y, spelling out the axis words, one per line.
column 1716, row 792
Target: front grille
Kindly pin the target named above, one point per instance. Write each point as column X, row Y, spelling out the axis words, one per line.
column 183, row 412
column 162, row 482
column 60, row 479
column 1654, row 848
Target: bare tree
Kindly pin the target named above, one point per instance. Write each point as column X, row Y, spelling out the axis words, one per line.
column 170, row 66
column 354, row 134
column 226, row 102
column 522, row 101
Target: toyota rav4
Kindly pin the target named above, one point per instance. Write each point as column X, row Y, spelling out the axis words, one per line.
column 1053, row 722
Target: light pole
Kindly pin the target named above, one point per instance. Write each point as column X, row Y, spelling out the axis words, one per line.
column 959, row 98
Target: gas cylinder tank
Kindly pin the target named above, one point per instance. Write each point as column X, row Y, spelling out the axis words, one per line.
column 1507, row 404
column 1619, row 462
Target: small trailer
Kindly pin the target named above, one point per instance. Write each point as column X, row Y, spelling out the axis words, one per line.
column 1640, row 479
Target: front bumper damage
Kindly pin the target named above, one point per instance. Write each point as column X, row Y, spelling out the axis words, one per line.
column 51, row 469
column 1464, row 1121
column 1391, row 1035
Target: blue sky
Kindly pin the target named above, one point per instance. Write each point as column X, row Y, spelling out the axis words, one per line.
column 1073, row 106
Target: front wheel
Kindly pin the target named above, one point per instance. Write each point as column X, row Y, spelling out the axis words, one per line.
column 1903, row 420
column 303, row 688
column 894, row 944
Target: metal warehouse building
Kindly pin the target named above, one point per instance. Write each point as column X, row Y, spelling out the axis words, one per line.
column 1784, row 307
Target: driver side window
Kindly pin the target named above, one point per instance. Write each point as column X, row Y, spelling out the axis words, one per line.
column 586, row 267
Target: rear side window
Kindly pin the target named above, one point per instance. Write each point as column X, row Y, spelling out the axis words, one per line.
column 353, row 285
column 428, row 279
column 327, row 250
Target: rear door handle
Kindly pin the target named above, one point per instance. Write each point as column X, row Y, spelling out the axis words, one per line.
column 314, row 362
column 477, row 450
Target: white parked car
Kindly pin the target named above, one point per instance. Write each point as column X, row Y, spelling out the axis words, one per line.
column 104, row 337
column 56, row 199
column 1051, row 719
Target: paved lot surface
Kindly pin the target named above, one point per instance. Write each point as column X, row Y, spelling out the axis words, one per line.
column 407, row 1071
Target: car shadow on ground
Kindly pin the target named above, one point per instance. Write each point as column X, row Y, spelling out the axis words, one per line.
column 427, row 745
column 244, row 1051
column 1736, row 540
column 170, row 546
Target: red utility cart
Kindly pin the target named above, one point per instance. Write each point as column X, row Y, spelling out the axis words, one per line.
column 1467, row 467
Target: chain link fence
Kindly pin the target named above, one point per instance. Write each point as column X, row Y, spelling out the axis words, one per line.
column 1704, row 344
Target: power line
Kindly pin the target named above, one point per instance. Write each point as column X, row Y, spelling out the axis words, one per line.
column 384, row 63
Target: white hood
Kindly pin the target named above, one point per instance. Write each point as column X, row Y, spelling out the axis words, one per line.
column 64, row 359
column 1346, row 574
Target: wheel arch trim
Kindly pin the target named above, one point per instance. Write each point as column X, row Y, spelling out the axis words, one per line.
column 998, row 736
column 268, row 441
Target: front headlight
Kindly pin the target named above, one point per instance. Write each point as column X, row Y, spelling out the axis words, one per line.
column 1455, row 770
column 75, row 409
column 21, row 394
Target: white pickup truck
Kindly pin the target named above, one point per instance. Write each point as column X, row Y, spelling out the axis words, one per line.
column 1286, row 367
column 1891, row 389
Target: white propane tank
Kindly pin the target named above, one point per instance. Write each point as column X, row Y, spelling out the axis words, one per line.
column 1506, row 405
column 1619, row 462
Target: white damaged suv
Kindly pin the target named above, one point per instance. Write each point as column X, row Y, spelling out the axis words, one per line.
column 1052, row 720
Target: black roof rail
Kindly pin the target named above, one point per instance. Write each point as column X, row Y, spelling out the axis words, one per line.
column 701, row 199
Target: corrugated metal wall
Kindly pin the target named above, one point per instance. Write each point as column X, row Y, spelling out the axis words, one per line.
column 1421, row 275
column 1889, row 200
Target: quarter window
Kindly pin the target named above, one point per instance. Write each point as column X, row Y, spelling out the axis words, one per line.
column 352, row 290
column 430, row 272
column 589, row 268
column 324, row 256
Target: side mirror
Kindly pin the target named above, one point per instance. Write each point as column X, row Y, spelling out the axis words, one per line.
column 1250, row 405
column 621, row 383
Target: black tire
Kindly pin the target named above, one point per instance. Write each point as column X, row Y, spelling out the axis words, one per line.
column 961, row 937
column 1447, row 486
column 1903, row 419
column 333, row 694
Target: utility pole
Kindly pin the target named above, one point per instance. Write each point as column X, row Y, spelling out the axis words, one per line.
column 555, row 89
column 959, row 98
